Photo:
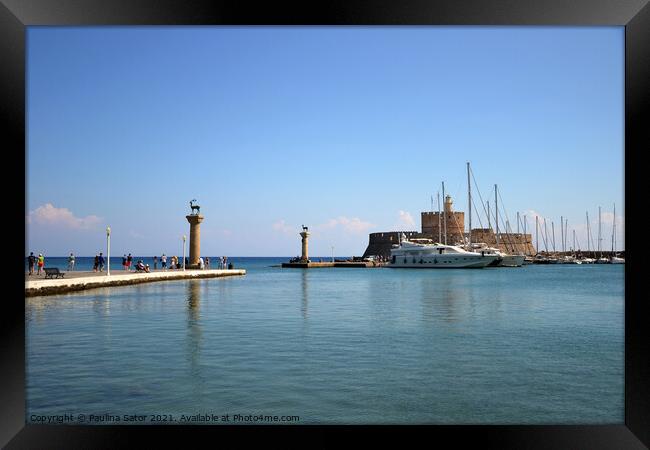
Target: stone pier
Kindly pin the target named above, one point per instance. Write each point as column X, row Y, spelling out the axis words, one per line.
column 79, row 281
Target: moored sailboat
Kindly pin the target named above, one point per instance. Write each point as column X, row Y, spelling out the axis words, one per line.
column 615, row 259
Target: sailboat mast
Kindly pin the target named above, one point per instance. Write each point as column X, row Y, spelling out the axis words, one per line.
column 469, row 206
column 553, row 231
column 488, row 213
column 496, row 216
column 517, row 222
column 574, row 241
column 599, row 233
column 536, row 234
column 545, row 236
column 439, row 219
column 566, row 232
column 588, row 232
column 525, row 240
column 614, row 229
column 444, row 211
column 562, row 232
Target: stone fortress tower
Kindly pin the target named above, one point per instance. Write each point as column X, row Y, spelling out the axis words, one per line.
column 455, row 223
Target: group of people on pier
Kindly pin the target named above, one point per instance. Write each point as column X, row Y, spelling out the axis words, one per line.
column 37, row 263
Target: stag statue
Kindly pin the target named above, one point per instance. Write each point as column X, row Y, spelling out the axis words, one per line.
column 304, row 228
column 194, row 206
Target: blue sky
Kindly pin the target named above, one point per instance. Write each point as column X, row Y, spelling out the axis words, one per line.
column 346, row 130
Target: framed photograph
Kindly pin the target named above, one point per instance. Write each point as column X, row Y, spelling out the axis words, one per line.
column 227, row 210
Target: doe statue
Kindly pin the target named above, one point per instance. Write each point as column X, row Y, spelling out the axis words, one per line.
column 194, row 207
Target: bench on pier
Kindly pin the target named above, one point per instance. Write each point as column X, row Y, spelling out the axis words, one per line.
column 53, row 272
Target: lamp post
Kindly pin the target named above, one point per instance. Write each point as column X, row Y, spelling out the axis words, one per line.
column 332, row 253
column 184, row 239
column 108, row 251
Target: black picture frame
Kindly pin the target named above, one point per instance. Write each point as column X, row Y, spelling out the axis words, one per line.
column 634, row 15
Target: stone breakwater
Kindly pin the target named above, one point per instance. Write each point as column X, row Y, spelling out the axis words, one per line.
column 80, row 282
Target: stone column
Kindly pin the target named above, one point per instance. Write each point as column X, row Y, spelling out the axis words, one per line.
column 305, row 236
column 195, row 239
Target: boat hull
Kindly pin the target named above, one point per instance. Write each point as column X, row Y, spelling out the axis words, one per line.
column 497, row 262
column 512, row 261
column 443, row 262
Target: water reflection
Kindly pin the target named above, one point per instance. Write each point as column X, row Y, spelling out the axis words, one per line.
column 440, row 299
column 194, row 329
column 305, row 292
column 102, row 304
column 457, row 297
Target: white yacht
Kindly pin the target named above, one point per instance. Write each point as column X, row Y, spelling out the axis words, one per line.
column 617, row 260
column 503, row 259
column 419, row 253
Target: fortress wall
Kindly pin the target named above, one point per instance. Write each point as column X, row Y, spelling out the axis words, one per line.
column 509, row 243
column 380, row 243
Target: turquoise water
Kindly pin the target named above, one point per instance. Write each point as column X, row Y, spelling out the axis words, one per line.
column 540, row 344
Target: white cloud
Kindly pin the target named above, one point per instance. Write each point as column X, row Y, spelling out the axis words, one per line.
column 50, row 215
column 135, row 234
column 282, row 227
column 353, row 225
column 405, row 220
column 530, row 218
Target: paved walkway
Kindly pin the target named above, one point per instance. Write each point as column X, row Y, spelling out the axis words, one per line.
column 90, row 273
column 76, row 281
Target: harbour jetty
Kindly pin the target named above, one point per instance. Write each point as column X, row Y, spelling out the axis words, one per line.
column 310, row 264
column 305, row 263
column 78, row 281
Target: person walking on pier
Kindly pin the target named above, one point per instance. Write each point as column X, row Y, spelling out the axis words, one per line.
column 96, row 263
column 31, row 260
column 207, row 263
column 124, row 262
column 155, row 262
column 41, row 263
column 101, row 262
column 71, row 262
column 129, row 260
column 163, row 262
column 201, row 263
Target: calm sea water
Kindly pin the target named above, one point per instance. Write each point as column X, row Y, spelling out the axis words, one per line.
column 535, row 345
